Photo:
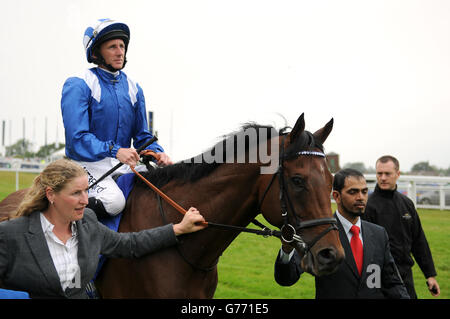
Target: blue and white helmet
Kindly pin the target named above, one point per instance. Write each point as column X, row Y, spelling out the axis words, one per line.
column 103, row 30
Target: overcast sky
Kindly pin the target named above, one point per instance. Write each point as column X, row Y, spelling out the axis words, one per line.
column 381, row 69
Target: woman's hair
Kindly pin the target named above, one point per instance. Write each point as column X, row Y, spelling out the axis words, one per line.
column 56, row 175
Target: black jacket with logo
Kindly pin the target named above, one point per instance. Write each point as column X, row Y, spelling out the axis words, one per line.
column 397, row 214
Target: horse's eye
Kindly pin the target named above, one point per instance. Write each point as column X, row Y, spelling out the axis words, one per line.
column 298, row 182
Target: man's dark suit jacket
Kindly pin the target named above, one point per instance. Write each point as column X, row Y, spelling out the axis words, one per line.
column 345, row 282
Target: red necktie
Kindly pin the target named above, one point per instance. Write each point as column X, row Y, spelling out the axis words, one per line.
column 357, row 248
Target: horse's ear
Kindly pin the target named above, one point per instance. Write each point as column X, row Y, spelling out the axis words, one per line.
column 322, row 134
column 298, row 129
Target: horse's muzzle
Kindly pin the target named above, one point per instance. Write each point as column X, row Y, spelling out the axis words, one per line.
column 323, row 262
column 327, row 261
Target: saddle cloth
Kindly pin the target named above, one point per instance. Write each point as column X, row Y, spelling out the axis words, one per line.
column 13, row 294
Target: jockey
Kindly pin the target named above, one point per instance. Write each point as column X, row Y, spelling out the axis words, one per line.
column 103, row 111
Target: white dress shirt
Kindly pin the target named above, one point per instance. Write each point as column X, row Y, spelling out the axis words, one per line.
column 65, row 256
column 348, row 225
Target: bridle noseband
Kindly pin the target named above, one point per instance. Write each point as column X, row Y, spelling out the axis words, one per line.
column 289, row 233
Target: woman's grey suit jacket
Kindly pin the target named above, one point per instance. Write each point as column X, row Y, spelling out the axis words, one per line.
column 26, row 263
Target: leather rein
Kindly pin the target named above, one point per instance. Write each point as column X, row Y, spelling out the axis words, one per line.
column 288, row 232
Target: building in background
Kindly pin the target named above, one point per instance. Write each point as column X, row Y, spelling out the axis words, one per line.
column 333, row 162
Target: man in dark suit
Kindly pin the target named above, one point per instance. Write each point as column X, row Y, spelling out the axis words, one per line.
column 369, row 271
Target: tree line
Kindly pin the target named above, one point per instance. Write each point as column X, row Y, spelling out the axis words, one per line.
column 23, row 149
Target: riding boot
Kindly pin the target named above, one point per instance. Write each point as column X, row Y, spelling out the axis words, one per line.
column 97, row 206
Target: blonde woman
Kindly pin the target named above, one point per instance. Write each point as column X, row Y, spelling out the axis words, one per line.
column 50, row 248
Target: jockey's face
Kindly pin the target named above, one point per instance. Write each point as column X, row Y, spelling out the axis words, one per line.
column 113, row 51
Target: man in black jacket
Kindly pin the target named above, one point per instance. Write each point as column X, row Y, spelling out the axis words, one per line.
column 369, row 270
column 396, row 213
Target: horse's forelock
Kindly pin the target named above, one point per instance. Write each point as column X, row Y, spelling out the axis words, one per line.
column 305, row 142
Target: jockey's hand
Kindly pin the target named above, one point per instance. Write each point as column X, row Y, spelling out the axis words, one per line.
column 164, row 159
column 128, row 156
column 191, row 222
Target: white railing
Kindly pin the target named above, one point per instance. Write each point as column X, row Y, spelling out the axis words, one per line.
column 424, row 191
column 21, row 170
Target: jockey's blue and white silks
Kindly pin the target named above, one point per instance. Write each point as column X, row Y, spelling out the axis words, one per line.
column 103, row 112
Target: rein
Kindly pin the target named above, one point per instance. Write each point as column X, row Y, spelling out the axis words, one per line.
column 264, row 232
column 287, row 233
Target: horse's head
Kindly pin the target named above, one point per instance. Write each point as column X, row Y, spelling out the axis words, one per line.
column 301, row 188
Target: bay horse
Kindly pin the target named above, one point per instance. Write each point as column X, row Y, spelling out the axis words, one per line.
column 231, row 192
column 10, row 203
column 231, row 189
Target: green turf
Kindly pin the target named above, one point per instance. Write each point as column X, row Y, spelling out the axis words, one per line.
column 8, row 182
column 246, row 267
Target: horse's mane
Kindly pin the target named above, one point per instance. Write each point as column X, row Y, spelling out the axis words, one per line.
column 195, row 168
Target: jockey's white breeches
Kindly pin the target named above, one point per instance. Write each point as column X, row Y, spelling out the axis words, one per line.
column 107, row 190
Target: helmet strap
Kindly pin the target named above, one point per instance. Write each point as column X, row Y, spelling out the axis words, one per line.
column 109, row 67
column 100, row 61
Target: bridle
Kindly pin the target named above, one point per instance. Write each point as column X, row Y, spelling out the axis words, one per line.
column 291, row 233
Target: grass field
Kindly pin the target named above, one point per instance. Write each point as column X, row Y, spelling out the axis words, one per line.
column 246, row 267
column 8, row 182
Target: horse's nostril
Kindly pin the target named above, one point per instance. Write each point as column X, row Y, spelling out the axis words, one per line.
column 328, row 260
column 326, row 256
